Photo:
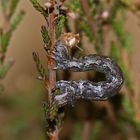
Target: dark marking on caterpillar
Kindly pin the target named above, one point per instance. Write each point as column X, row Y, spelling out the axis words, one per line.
column 70, row 91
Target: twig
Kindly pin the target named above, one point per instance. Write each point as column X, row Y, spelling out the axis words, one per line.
column 51, row 73
column 86, row 130
column 51, row 62
column 5, row 28
column 91, row 24
column 89, row 17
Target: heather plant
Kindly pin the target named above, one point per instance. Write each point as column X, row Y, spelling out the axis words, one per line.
column 94, row 20
column 7, row 27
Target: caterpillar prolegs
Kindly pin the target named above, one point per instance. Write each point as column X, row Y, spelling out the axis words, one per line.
column 70, row 91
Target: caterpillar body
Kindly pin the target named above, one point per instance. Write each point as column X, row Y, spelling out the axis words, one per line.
column 70, row 91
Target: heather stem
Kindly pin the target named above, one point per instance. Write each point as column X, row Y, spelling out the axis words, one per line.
column 51, row 73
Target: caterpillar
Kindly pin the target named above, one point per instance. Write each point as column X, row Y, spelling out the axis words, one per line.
column 67, row 92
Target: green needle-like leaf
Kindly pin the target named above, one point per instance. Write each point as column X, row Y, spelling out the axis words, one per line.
column 45, row 35
column 41, row 70
column 16, row 21
column 5, row 38
column 45, row 107
column 59, row 26
column 5, row 68
column 13, row 6
column 39, row 8
column 4, row 41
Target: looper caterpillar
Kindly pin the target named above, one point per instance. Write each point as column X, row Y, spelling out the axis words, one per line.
column 70, row 91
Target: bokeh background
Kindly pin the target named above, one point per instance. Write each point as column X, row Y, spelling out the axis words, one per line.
column 21, row 112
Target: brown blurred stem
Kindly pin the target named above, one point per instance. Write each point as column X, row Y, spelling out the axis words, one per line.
column 86, row 9
column 86, row 130
column 91, row 23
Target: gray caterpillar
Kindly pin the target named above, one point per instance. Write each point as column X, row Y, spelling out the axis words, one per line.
column 70, row 91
